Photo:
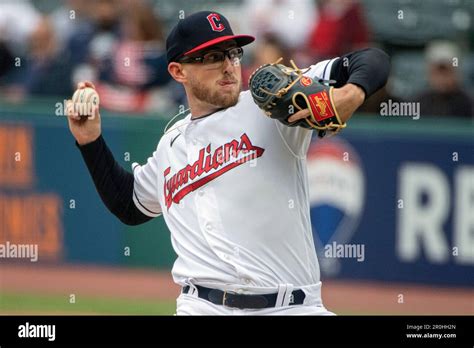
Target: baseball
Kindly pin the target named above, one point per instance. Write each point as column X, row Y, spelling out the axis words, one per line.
column 84, row 100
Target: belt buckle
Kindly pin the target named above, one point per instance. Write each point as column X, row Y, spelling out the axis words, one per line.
column 224, row 298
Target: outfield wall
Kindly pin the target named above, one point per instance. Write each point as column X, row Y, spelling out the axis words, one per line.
column 392, row 198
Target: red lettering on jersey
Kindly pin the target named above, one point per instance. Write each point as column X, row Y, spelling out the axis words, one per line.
column 215, row 22
column 223, row 159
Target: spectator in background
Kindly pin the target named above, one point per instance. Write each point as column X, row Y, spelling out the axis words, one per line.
column 341, row 28
column 6, row 59
column 129, row 77
column 445, row 95
column 43, row 72
column 140, row 57
column 94, row 37
column 267, row 50
column 18, row 18
column 288, row 20
column 69, row 18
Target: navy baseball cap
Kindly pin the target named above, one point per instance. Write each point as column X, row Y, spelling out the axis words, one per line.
column 198, row 31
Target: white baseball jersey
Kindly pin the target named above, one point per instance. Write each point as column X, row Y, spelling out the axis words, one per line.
column 233, row 190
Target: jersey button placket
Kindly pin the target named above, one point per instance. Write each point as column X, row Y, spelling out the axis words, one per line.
column 192, row 143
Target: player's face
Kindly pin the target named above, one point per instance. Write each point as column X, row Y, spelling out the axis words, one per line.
column 217, row 79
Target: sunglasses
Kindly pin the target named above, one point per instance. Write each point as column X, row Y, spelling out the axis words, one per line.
column 215, row 59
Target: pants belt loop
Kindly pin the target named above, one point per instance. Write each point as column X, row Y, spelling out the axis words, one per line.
column 284, row 294
column 288, row 297
column 193, row 291
column 281, row 295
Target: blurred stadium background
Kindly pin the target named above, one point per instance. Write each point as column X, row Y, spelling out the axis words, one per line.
column 406, row 194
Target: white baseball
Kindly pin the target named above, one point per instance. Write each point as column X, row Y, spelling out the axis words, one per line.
column 85, row 100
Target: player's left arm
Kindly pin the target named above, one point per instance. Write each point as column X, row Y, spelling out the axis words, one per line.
column 358, row 75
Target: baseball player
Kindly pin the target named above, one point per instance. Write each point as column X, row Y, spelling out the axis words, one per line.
column 230, row 182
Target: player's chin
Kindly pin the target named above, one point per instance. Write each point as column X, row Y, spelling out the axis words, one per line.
column 229, row 100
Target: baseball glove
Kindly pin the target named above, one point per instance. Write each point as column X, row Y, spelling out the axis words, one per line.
column 280, row 91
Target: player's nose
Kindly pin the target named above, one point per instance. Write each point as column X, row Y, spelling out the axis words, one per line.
column 228, row 65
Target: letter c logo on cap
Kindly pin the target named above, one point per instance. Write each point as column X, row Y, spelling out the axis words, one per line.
column 215, row 22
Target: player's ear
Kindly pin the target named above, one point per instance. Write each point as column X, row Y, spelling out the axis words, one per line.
column 177, row 72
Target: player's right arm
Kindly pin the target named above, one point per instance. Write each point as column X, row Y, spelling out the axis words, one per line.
column 117, row 188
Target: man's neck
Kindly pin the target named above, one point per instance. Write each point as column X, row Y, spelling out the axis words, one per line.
column 201, row 109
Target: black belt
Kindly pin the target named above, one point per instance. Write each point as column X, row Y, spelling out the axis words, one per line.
column 242, row 301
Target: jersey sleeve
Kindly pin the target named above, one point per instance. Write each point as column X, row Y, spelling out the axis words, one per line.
column 145, row 188
column 368, row 68
column 297, row 139
column 321, row 70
